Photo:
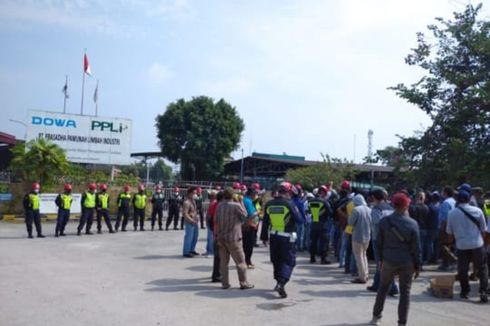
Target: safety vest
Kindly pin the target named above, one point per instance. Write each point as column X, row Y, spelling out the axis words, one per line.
column 65, row 201
column 139, row 201
column 89, row 200
column 34, row 199
column 486, row 209
column 277, row 215
column 258, row 208
column 123, row 196
column 315, row 209
column 104, row 200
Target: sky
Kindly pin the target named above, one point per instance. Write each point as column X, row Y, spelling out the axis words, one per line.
column 307, row 77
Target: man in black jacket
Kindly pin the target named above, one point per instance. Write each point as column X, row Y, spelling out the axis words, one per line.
column 398, row 249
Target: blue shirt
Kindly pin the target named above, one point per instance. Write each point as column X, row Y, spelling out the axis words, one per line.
column 446, row 206
column 249, row 206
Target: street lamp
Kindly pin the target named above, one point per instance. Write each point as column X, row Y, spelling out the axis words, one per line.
column 22, row 123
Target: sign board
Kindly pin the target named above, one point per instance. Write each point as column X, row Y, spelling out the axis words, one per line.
column 5, row 197
column 85, row 139
column 47, row 205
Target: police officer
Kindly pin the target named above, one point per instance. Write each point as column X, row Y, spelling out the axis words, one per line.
column 280, row 219
column 63, row 201
column 88, row 208
column 31, row 207
column 139, row 205
column 199, row 200
column 174, row 203
column 102, row 204
column 157, row 208
column 123, row 201
column 321, row 212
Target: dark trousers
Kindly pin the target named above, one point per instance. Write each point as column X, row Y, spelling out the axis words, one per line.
column 139, row 214
column 201, row 216
column 105, row 214
column 319, row 240
column 248, row 240
column 479, row 258
column 33, row 216
column 216, row 262
column 173, row 215
column 124, row 214
column 62, row 220
column 348, row 254
column 283, row 257
column 157, row 211
column 388, row 272
column 87, row 217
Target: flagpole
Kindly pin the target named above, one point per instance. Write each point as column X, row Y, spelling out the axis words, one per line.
column 96, row 98
column 64, row 94
column 83, row 88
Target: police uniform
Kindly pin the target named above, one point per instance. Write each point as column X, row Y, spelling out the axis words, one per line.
column 63, row 201
column 157, row 201
column 88, row 208
column 139, row 205
column 102, row 203
column 279, row 227
column 174, row 203
column 31, row 207
column 321, row 212
column 123, row 201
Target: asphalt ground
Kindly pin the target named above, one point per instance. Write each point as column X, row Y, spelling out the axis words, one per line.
column 140, row 278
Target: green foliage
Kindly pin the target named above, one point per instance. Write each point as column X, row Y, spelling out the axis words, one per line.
column 39, row 160
column 199, row 134
column 159, row 171
column 330, row 169
column 455, row 93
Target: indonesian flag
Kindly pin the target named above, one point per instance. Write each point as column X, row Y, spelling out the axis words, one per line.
column 86, row 65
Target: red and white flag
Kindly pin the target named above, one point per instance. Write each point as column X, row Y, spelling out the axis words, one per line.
column 86, row 65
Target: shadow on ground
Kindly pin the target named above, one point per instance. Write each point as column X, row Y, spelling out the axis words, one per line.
column 151, row 257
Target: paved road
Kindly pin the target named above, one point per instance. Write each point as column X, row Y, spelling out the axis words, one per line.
column 140, row 278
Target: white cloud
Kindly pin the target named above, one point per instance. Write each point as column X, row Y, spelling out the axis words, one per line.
column 228, row 87
column 158, row 73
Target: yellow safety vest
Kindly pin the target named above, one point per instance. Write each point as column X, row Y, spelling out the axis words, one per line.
column 89, row 200
column 124, row 195
column 258, row 208
column 140, row 201
column 277, row 215
column 315, row 208
column 34, row 199
column 486, row 209
column 104, row 200
column 66, row 201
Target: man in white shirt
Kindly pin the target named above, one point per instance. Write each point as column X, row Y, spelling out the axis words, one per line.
column 467, row 225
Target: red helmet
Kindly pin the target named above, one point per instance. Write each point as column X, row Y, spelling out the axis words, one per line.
column 236, row 185
column 35, row 186
column 141, row 187
column 324, row 189
column 198, row 190
column 255, row 186
column 176, row 189
column 92, row 186
column 68, row 187
column 158, row 187
column 299, row 187
column 285, row 187
column 127, row 188
column 243, row 188
column 345, row 185
column 103, row 187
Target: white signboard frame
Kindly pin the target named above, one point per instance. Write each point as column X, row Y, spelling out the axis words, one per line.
column 47, row 203
column 85, row 139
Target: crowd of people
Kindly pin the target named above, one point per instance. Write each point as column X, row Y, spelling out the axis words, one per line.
column 402, row 233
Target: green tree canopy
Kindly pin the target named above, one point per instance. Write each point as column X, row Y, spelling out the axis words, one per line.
column 39, row 160
column 455, row 93
column 322, row 173
column 199, row 134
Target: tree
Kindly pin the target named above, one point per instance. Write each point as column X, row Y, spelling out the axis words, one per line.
column 322, row 173
column 455, row 93
column 39, row 160
column 199, row 134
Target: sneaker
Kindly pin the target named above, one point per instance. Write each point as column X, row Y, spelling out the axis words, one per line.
column 62, row 235
column 464, row 295
column 483, row 298
column 89, row 233
column 216, row 280
column 225, row 286
column 358, row 281
column 195, row 253
column 246, row 286
column 282, row 291
column 312, row 260
column 325, row 262
column 188, row 256
column 79, row 233
column 250, row 266
column 393, row 293
column 112, row 231
column 372, row 289
column 375, row 321
column 30, row 236
column 41, row 236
